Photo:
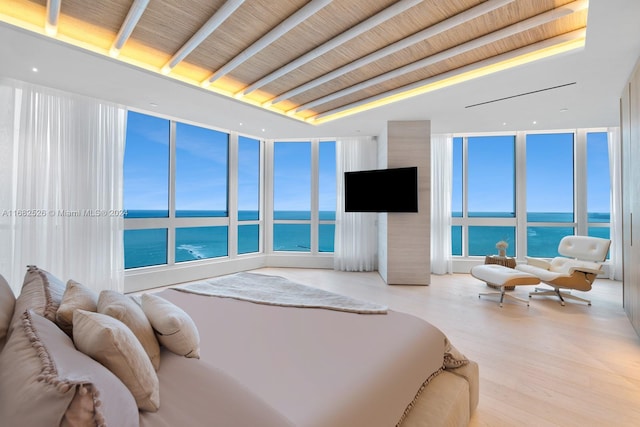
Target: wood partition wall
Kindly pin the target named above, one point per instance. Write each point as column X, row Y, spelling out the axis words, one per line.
column 630, row 134
column 405, row 238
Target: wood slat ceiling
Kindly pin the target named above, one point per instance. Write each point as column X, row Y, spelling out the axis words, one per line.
column 166, row 25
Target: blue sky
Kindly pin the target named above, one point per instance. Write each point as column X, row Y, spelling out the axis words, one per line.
column 549, row 173
column 201, row 171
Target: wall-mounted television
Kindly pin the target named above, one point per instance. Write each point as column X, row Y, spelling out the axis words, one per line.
column 381, row 190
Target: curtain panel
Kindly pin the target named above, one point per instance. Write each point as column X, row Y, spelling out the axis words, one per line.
column 356, row 238
column 615, row 233
column 441, row 188
column 61, row 173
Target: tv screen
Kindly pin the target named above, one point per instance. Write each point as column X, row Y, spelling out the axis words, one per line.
column 382, row 190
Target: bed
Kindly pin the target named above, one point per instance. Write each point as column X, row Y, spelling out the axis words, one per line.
column 267, row 365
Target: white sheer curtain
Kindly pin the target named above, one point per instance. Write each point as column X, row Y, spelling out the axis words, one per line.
column 615, row 171
column 356, row 238
column 441, row 187
column 61, row 167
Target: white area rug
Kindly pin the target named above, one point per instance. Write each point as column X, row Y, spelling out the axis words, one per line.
column 276, row 290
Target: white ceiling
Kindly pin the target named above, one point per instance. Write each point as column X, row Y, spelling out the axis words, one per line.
column 594, row 79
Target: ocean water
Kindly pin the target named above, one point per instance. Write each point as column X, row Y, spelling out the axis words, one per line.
column 541, row 241
column 149, row 246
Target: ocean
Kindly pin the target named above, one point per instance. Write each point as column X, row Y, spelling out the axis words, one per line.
column 149, row 246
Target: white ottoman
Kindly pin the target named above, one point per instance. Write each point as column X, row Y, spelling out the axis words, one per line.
column 500, row 276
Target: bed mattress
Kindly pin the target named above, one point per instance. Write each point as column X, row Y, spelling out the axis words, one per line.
column 307, row 367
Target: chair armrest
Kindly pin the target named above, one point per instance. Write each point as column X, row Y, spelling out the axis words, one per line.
column 539, row 262
column 585, row 270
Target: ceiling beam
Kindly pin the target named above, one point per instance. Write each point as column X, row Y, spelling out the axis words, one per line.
column 133, row 16
column 53, row 14
column 438, row 28
column 221, row 15
column 490, row 38
column 344, row 37
column 284, row 27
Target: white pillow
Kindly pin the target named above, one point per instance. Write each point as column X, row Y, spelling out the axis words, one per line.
column 111, row 342
column 174, row 328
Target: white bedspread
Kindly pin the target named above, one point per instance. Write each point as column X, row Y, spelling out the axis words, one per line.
column 300, row 366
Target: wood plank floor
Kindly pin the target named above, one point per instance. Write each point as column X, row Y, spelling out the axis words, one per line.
column 543, row 365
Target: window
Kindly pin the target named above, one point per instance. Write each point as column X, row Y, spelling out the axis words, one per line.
column 292, row 196
column 146, row 167
column 326, row 195
column 563, row 189
column 598, row 185
column 186, row 221
column 483, row 194
column 550, row 191
column 201, row 171
column 491, row 176
column 248, row 195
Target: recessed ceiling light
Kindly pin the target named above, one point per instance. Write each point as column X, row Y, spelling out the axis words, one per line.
column 240, row 123
column 504, row 123
column 34, row 69
column 153, row 104
column 263, row 129
column 535, row 122
column 564, row 110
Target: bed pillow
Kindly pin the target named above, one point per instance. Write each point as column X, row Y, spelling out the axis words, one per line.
column 7, row 303
column 174, row 328
column 45, row 381
column 111, row 342
column 124, row 309
column 41, row 292
column 76, row 296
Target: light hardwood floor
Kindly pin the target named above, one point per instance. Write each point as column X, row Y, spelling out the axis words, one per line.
column 545, row 365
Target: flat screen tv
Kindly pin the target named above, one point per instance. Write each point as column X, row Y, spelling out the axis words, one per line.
column 381, row 190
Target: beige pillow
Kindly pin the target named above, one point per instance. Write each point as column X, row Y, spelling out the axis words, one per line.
column 111, row 342
column 124, row 309
column 174, row 328
column 45, row 381
column 7, row 303
column 76, row 296
column 41, row 292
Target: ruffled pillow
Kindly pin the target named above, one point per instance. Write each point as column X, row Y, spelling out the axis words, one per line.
column 43, row 378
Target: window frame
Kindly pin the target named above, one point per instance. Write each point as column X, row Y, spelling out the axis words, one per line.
column 580, row 222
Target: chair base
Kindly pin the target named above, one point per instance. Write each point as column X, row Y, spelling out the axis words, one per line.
column 560, row 294
column 503, row 295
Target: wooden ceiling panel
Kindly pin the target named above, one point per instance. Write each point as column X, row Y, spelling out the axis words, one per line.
column 107, row 15
column 249, row 23
column 331, row 21
column 166, row 25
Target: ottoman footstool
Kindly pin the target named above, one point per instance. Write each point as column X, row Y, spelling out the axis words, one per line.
column 502, row 277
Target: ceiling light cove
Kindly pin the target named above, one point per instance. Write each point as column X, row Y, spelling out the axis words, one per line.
column 317, row 60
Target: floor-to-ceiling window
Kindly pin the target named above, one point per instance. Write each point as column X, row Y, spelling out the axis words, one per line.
column 176, row 180
column 550, row 191
column 248, row 195
column 194, row 193
column 304, row 196
column 529, row 189
column 483, row 198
